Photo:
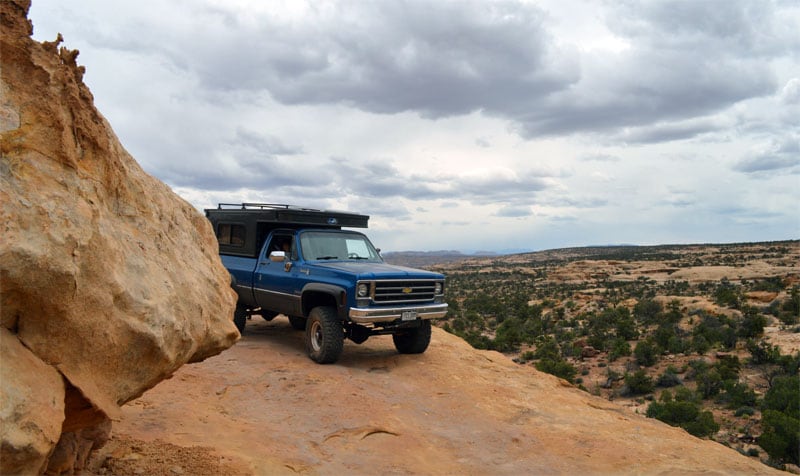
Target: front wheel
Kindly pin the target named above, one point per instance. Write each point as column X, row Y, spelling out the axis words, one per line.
column 414, row 340
column 324, row 335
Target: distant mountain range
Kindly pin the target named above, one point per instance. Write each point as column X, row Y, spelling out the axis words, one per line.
column 420, row 259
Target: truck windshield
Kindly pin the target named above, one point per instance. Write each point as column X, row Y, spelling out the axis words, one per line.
column 321, row 245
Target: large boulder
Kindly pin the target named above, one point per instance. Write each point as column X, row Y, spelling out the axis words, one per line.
column 106, row 275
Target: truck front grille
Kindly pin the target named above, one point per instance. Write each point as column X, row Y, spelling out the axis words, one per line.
column 403, row 291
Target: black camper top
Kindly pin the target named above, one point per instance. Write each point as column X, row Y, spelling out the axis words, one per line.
column 241, row 228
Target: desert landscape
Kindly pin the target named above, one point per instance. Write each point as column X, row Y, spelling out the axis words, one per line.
column 262, row 407
column 118, row 354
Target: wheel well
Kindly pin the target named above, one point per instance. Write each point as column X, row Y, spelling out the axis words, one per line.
column 314, row 299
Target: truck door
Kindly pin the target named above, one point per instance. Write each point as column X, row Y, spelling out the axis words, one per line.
column 275, row 280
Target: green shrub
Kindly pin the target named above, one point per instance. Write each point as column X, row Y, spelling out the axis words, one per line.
column 703, row 426
column 678, row 345
column 669, row 379
column 509, row 335
column 784, row 396
column 790, row 309
column 772, row 284
column 673, row 314
column 736, row 395
column 646, row 353
column 709, row 384
column 547, row 349
column 700, row 344
column 558, row 367
column 790, row 364
column 728, row 367
column 716, row 329
column 762, row 352
column 683, row 394
column 709, row 381
column 647, row 310
column 639, row 383
column 686, row 415
column 726, row 294
column 663, row 334
column 626, row 327
column 781, row 436
column 477, row 340
column 618, row 348
column 752, row 324
column 780, row 420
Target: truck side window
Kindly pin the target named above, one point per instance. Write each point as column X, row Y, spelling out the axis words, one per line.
column 230, row 234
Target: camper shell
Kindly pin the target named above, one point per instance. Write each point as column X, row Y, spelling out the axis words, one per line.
column 241, row 228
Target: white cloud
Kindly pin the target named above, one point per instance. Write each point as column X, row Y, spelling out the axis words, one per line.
column 791, row 91
column 467, row 125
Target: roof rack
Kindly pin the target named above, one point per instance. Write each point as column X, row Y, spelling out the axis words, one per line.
column 264, row 206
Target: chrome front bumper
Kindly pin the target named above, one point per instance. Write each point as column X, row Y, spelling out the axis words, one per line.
column 389, row 314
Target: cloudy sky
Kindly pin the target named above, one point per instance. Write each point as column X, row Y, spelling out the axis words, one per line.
column 466, row 125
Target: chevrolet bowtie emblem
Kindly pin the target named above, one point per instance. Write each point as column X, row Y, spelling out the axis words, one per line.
column 406, row 290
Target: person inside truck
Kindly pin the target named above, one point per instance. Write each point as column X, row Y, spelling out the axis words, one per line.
column 282, row 243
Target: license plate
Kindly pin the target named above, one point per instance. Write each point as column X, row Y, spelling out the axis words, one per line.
column 409, row 315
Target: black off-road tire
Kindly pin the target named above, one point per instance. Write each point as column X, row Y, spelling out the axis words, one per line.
column 298, row 323
column 240, row 318
column 414, row 340
column 324, row 335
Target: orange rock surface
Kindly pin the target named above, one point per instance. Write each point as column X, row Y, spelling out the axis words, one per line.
column 263, row 406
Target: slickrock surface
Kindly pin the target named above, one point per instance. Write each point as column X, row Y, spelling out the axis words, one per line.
column 262, row 407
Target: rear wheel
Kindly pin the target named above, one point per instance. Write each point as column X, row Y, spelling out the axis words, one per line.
column 324, row 335
column 240, row 318
column 298, row 323
column 414, row 340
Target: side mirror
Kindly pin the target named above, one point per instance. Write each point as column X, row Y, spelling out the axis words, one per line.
column 277, row 256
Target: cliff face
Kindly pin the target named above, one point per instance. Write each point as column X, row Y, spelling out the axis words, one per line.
column 264, row 408
column 109, row 281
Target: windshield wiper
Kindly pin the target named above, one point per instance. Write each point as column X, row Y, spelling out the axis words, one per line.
column 327, row 257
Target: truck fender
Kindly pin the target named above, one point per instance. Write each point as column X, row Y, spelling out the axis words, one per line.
column 338, row 293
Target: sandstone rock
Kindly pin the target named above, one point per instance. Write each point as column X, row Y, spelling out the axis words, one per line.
column 105, row 273
column 31, row 407
column 763, row 297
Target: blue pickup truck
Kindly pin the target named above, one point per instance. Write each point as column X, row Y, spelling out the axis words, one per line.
column 329, row 280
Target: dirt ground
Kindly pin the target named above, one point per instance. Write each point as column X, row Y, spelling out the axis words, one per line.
column 262, row 407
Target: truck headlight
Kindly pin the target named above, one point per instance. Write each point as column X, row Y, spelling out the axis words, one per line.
column 437, row 288
column 362, row 290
